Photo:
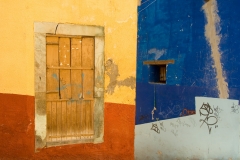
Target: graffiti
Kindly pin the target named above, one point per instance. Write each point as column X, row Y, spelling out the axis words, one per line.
column 112, row 73
column 143, row 117
column 217, row 112
column 182, row 123
column 174, row 111
column 162, row 127
column 186, row 112
column 174, row 132
column 192, row 121
column 210, row 119
column 154, row 109
column 173, row 125
column 235, row 108
column 155, row 128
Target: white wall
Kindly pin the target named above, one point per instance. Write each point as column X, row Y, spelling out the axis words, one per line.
column 189, row 138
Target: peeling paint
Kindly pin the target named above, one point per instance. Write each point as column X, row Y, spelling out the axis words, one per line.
column 158, row 53
column 112, row 73
column 212, row 29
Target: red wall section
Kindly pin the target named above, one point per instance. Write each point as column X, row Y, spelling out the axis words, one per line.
column 17, row 133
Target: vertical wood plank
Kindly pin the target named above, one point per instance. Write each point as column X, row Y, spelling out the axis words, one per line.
column 88, row 52
column 64, row 120
column 88, row 83
column 74, row 120
column 76, row 52
column 52, row 84
column 91, row 118
column 59, row 121
column 69, row 122
column 83, row 119
column 78, row 118
column 64, row 52
column 49, row 120
column 64, row 61
column 52, row 56
column 52, row 74
column 65, row 84
column 76, row 84
column 76, row 60
column 54, row 120
column 88, row 105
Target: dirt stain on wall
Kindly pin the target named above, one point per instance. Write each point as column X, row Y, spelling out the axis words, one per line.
column 212, row 29
column 112, row 72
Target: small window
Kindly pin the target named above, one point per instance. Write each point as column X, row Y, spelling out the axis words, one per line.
column 158, row 70
column 157, row 73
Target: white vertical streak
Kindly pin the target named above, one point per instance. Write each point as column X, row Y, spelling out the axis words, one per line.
column 212, row 29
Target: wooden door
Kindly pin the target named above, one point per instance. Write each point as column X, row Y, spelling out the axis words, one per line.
column 70, row 88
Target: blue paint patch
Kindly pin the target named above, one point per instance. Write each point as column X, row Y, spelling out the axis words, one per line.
column 63, row 87
column 88, row 92
column 55, row 76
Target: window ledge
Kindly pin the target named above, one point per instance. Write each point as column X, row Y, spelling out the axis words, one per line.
column 158, row 62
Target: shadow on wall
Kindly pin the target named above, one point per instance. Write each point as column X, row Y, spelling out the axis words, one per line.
column 112, row 72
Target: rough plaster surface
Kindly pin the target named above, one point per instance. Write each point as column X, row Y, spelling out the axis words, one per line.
column 212, row 30
column 158, row 53
column 17, row 133
column 189, row 137
column 113, row 74
column 17, row 52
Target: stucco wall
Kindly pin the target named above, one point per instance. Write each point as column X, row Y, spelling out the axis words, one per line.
column 17, row 43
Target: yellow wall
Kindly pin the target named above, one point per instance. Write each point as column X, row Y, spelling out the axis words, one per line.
column 17, row 38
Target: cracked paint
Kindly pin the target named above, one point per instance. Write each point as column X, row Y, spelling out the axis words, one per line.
column 113, row 73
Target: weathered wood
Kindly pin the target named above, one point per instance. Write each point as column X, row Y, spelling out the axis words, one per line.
column 88, row 83
column 159, row 62
column 60, row 100
column 50, row 39
column 76, row 52
column 69, row 116
column 59, row 119
column 52, row 84
column 74, row 119
column 64, row 120
column 70, row 88
column 78, row 118
column 88, row 52
column 64, row 52
column 52, row 56
column 63, row 36
column 72, row 68
column 64, row 61
column 49, row 120
column 65, row 84
column 54, row 120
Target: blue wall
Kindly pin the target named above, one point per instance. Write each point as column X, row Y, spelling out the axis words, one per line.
column 176, row 28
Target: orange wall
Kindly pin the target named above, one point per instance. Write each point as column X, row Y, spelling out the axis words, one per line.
column 17, row 133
